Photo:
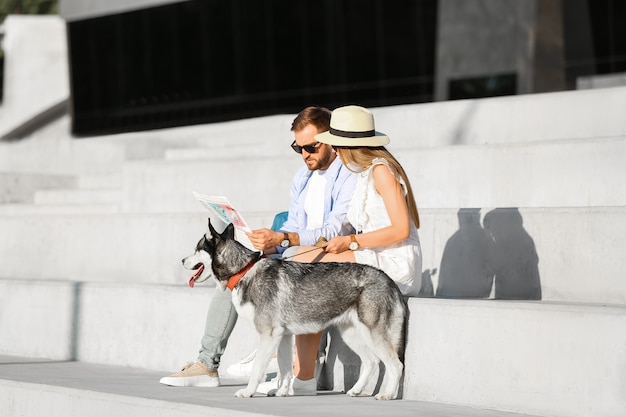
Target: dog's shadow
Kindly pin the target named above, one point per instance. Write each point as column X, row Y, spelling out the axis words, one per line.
column 340, row 357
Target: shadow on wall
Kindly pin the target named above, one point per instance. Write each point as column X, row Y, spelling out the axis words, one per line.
column 498, row 255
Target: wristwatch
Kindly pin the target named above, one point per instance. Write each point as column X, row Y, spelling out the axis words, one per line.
column 285, row 242
column 354, row 245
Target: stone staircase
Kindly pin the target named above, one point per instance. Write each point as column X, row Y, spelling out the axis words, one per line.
column 530, row 187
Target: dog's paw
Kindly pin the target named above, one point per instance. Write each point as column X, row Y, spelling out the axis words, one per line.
column 355, row 393
column 282, row 392
column 244, row 393
column 278, row 392
column 383, row 396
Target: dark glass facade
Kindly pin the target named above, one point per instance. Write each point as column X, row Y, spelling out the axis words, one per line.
column 490, row 86
column 213, row 60
column 595, row 38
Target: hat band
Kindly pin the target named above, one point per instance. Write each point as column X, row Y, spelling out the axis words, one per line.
column 345, row 134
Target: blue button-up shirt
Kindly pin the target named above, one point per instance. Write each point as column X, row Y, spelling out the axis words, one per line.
column 337, row 195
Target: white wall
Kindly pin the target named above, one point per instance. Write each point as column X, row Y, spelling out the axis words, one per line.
column 36, row 68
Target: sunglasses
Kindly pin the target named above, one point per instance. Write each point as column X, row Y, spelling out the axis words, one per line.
column 309, row 148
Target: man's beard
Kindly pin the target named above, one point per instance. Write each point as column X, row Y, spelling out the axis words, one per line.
column 321, row 163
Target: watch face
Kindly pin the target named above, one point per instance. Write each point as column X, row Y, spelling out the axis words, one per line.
column 353, row 246
column 284, row 243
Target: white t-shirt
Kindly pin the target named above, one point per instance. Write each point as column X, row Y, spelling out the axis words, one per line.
column 314, row 202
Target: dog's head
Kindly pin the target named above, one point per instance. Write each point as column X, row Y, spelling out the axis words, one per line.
column 207, row 249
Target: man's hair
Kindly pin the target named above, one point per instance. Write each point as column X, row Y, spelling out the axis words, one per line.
column 313, row 115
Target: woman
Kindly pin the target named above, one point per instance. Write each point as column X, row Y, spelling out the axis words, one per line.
column 382, row 211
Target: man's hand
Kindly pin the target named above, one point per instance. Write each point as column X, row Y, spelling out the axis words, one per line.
column 265, row 239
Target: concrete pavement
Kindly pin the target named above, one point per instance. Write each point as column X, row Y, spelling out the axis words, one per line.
column 81, row 389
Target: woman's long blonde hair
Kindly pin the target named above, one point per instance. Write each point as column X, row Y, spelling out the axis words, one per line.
column 362, row 156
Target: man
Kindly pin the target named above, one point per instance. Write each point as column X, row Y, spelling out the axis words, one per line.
column 320, row 194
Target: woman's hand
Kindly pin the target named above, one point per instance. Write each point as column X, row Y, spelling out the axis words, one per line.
column 338, row 244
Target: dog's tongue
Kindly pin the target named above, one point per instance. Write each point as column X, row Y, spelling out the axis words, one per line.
column 195, row 276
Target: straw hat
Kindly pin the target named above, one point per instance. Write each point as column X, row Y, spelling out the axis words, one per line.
column 352, row 126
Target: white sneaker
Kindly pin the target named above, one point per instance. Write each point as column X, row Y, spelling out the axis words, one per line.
column 297, row 387
column 243, row 368
column 268, row 386
column 300, row 387
column 193, row 375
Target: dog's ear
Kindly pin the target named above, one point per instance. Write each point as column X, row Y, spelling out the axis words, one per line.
column 212, row 231
column 229, row 232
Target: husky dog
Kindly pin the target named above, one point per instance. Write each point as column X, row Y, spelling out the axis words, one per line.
column 286, row 298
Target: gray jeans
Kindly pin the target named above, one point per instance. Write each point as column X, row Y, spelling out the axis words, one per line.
column 220, row 322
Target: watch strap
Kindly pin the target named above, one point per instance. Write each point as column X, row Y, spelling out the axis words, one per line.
column 353, row 240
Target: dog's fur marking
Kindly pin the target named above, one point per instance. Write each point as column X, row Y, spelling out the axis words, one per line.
column 286, row 298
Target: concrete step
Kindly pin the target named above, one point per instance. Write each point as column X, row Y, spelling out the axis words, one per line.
column 523, row 118
column 128, row 324
column 142, row 248
column 578, row 173
column 568, row 115
column 257, row 137
column 21, row 188
column 60, row 155
column 99, row 181
column 220, row 153
column 550, row 253
column 25, row 193
column 552, row 359
column 44, row 210
column 251, row 183
column 516, row 119
column 78, row 196
column 32, row 388
column 575, row 173
column 531, row 357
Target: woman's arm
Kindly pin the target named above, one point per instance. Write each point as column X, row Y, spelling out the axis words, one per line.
column 391, row 192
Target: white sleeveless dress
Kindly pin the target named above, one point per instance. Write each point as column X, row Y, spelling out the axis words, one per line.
column 402, row 261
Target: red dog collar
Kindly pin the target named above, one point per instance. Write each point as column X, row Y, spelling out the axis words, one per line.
column 234, row 280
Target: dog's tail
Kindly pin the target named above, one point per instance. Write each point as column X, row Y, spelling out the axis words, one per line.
column 405, row 330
